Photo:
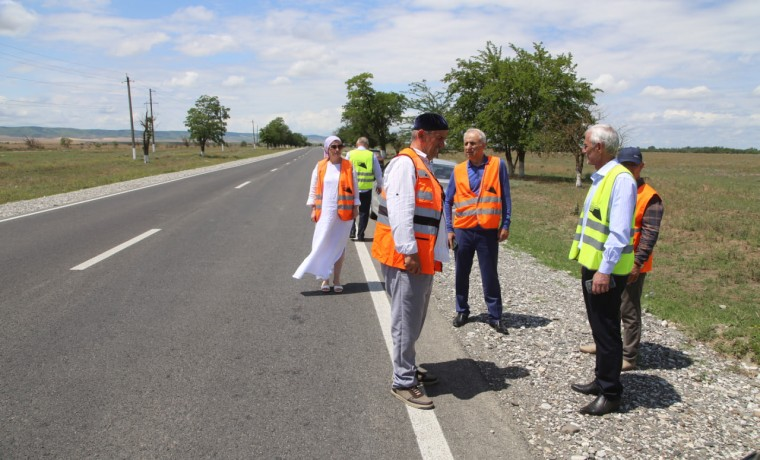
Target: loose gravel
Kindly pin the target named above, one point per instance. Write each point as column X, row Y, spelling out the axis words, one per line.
column 684, row 400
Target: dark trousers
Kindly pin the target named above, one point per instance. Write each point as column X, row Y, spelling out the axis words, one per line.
column 603, row 312
column 486, row 244
column 365, row 199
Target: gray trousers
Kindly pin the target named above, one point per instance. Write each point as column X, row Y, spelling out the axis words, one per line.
column 630, row 315
column 410, row 295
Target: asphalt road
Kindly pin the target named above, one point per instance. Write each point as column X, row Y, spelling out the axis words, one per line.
column 165, row 323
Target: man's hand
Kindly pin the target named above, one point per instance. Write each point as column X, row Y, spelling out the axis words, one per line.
column 379, row 190
column 634, row 274
column 356, row 212
column 412, row 263
column 600, row 283
column 313, row 215
column 451, row 240
column 503, row 234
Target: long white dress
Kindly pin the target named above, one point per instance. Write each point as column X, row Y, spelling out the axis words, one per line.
column 331, row 233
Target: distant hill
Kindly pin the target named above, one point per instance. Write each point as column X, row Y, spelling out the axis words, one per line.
column 119, row 135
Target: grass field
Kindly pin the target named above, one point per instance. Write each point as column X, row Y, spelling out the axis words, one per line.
column 706, row 275
column 26, row 174
column 707, row 262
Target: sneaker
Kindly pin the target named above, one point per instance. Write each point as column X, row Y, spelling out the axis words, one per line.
column 425, row 378
column 589, row 348
column 414, row 397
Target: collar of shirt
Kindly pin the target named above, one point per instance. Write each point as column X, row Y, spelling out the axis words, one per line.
column 422, row 155
column 599, row 175
column 471, row 165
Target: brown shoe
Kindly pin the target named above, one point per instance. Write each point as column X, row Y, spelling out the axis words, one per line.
column 628, row 365
column 414, row 397
column 590, row 348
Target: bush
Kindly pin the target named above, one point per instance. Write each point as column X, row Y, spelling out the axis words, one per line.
column 66, row 142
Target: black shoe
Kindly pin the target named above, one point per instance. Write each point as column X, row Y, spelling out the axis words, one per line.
column 426, row 378
column 360, row 238
column 461, row 319
column 587, row 389
column 498, row 325
column 601, row 406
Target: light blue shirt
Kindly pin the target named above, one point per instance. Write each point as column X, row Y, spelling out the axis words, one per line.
column 622, row 206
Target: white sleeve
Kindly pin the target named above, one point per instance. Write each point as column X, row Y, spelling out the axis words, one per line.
column 313, row 187
column 400, row 180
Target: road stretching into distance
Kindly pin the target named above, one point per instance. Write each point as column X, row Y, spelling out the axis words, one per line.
column 165, row 323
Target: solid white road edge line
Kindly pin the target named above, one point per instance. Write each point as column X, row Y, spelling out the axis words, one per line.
column 110, row 252
column 243, row 184
column 430, row 438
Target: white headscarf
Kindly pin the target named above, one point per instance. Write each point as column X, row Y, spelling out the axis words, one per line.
column 329, row 141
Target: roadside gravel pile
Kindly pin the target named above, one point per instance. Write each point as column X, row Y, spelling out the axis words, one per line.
column 683, row 401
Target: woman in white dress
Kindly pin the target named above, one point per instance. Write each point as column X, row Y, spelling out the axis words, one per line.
column 334, row 201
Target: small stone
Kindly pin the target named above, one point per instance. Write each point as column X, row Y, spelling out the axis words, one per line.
column 722, row 307
column 546, row 406
column 570, row 428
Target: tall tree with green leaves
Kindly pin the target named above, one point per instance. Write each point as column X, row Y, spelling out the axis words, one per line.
column 530, row 102
column 207, row 121
column 369, row 112
column 276, row 134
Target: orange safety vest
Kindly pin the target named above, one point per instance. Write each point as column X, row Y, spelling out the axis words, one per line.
column 345, row 189
column 644, row 195
column 483, row 209
column 428, row 208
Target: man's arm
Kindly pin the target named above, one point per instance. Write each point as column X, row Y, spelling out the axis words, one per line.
column 650, row 231
column 400, row 180
column 506, row 201
column 378, row 171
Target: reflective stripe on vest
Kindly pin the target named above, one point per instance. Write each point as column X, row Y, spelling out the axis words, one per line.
column 428, row 208
column 598, row 229
column 345, row 189
column 483, row 209
column 362, row 161
column 644, row 195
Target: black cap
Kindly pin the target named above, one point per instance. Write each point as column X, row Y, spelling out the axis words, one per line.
column 430, row 122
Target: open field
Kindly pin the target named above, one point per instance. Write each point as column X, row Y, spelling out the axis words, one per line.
column 707, row 263
column 26, row 174
column 706, row 275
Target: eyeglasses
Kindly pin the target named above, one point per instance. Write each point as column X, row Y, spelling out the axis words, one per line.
column 336, row 146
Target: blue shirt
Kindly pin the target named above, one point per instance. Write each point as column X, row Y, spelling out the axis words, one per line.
column 475, row 176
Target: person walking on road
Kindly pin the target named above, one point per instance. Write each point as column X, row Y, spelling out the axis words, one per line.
column 369, row 172
column 603, row 247
column 646, row 230
column 479, row 194
column 410, row 246
column 334, row 201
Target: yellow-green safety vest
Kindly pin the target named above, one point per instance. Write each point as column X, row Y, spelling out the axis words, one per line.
column 598, row 229
column 363, row 161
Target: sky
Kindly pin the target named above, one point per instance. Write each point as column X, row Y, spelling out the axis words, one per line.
column 672, row 73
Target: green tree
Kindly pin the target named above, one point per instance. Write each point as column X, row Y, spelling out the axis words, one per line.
column 370, row 113
column 277, row 134
column 532, row 101
column 207, row 121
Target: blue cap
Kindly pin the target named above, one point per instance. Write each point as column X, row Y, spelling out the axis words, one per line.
column 630, row 155
column 430, row 122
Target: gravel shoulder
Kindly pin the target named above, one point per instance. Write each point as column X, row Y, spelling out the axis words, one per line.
column 684, row 401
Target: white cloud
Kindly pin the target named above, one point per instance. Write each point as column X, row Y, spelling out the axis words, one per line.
column 186, row 80
column 80, row 5
column 206, row 45
column 15, row 20
column 139, row 44
column 234, row 81
column 696, row 118
column 281, row 81
column 676, row 93
column 756, row 91
column 193, row 14
column 608, row 84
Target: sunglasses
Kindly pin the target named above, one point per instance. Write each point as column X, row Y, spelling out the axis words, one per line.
column 337, row 146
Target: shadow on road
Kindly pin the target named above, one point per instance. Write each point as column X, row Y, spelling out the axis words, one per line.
column 460, row 377
column 648, row 391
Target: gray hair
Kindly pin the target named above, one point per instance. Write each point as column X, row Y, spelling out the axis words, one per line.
column 480, row 134
column 362, row 141
column 605, row 135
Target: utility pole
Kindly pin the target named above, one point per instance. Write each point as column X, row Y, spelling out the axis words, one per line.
column 131, row 119
column 254, row 133
column 152, row 124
